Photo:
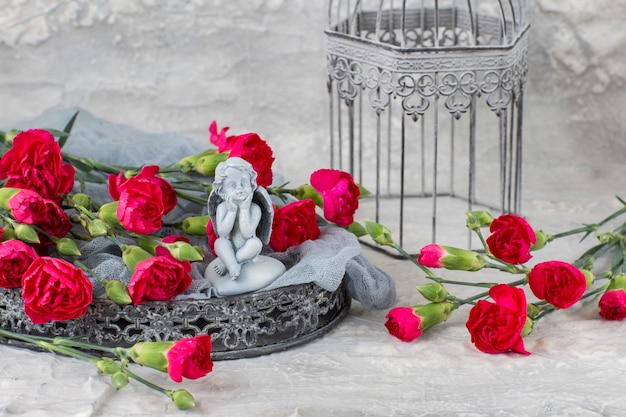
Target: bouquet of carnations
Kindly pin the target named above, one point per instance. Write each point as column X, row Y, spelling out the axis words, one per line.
column 46, row 215
column 501, row 314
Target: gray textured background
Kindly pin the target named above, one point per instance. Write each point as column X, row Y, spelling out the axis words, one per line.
column 260, row 66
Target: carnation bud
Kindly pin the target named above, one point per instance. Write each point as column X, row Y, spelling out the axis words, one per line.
column 107, row 365
column 183, row 251
column 26, row 233
column 6, row 193
column 117, row 291
column 182, row 399
column 528, row 327
column 532, row 310
column 618, row 282
column 606, row 237
column 206, row 164
column 195, row 225
column 147, row 243
column 81, row 200
column 188, row 163
column 66, row 246
column 474, row 220
column 8, row 233
column 589, row 276
column 119, row 379
column 357, row 229
column 97, row 227
column 433, row 292
column 306, row 191
column 439, row 256
column 132, row 255
column 151, row 354
column 380, row 234
column 434, row 313
column 108, row 213
column 541, row 239
column 9, row 136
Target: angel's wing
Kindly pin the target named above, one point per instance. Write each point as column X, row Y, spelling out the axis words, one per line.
column 262, row 199
column 212, row 203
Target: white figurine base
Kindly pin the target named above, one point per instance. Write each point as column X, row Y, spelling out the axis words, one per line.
column 255, row 275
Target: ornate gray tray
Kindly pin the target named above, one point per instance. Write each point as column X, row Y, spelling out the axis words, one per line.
column 240, row 326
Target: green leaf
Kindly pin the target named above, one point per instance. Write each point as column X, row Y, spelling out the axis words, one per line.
column 67, row 129
column 58, row 133
column 364, row 192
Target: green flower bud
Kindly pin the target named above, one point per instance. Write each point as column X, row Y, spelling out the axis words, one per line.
column 357, row 229
column 183, row 251
column 195, row 225
column 434, row 313
column 474, row 220
column 107, row 366
column 97, row 227
column 151, row 354
column 182, row 399
column 117, row 291
column 26, row 233
column 589, row 276
column 532, row 310
column 9, row 136
column 6, row 193
column 380, row 234
column 147, row 243
column 81, row 200
column 8, row 234
column 66, row 246
column 618, row 282
column 119, row 379
column 132, row 255
column 542, row 239
column 449, row 257
column 306, row 191
column 433, row 292
column 108, row 213
column 606, row 237
column 206, row 164
column 528, row 327
column 188, row 163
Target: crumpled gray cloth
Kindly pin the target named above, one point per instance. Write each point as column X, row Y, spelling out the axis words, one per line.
column 335, row 256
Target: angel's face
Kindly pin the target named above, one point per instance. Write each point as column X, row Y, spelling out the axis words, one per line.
column 237, row 184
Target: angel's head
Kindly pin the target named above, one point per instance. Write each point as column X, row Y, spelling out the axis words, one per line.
column 234, row 178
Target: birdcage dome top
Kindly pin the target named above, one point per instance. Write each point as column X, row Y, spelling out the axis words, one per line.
column 429, row 24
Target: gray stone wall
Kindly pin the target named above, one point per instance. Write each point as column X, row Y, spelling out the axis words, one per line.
column 260, row 66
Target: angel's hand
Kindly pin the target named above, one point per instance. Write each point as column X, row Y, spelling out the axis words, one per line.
column 231, row 205
column 245, row 204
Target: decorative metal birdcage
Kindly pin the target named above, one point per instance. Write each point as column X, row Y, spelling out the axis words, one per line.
column 426, row 102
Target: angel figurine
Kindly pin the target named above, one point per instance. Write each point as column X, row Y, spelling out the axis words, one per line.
column 241, row 213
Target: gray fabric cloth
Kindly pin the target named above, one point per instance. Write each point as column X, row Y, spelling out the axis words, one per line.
column 334, row 257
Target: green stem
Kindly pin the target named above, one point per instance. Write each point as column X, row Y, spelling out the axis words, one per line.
column 62, row 341
column 589, row 228
column 23, row 337
column 146, row 382
column 507, row 267
column 484, row 294
column 467, row 284
column 190, row 197
column 68, row 351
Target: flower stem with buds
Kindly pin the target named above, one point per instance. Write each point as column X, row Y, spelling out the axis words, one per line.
column 73, row 348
